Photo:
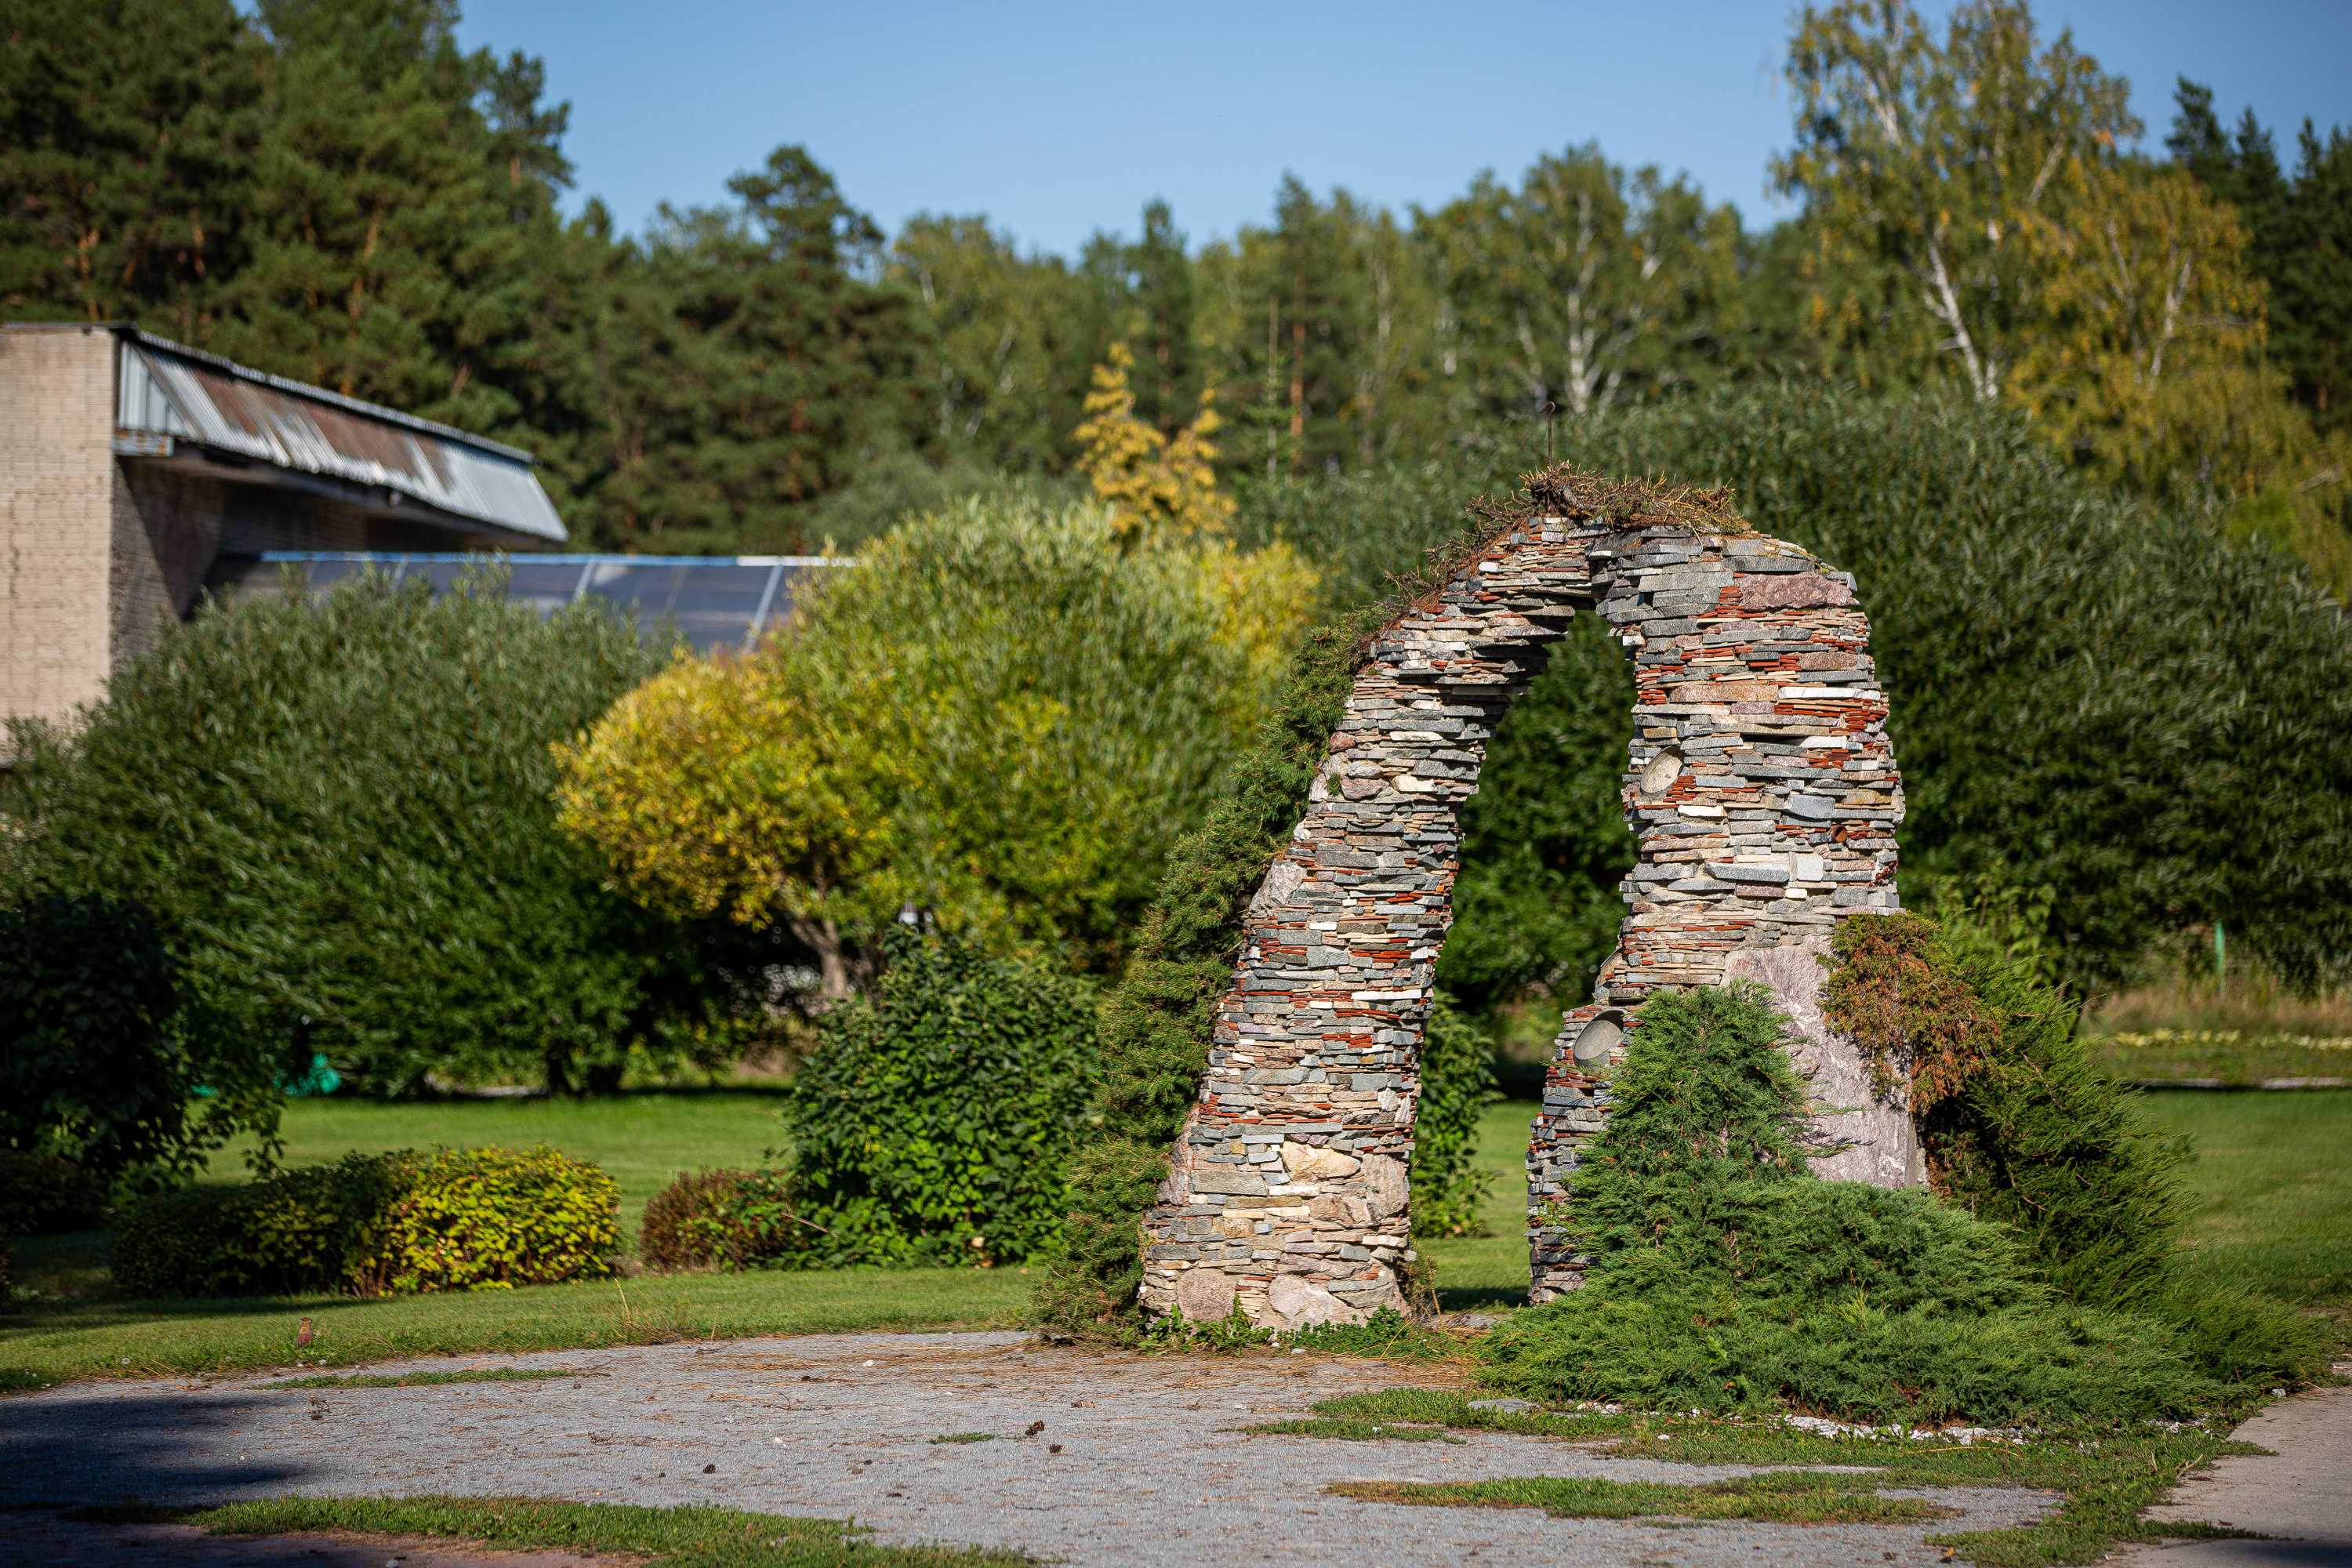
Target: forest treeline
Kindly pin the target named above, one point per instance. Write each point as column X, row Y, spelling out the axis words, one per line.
column 333, row 190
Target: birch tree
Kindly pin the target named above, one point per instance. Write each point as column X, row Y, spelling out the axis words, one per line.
column 1583, row 286
column 1920, row 162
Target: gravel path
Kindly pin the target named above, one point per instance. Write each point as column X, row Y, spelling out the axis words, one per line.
column 1150, row 1470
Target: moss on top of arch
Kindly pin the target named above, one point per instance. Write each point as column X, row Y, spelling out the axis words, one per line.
column 1563, row 490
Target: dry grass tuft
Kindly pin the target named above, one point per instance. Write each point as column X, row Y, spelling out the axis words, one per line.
column 1562, row 490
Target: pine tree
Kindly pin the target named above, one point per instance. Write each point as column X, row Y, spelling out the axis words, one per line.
column 2311, row 291
column 127, row 138
column 747, row 363
column 2300, row 239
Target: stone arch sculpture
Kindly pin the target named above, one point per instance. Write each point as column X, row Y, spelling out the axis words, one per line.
column 1763, row 788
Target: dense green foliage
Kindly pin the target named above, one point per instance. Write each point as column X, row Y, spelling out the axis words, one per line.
column 1156, row 1037
column 1048, row 705
column 96, row 1063
column 454, row 1219
column 1001, row 718
column 337, row 817
column 41, row 1194
column 324, row 1229
column 2075, row 693
column 1544, row 841
column 935, row 1120
column 2087, row 695
column 723, row 1219
column 1724, row 1277
column 1457, row 1082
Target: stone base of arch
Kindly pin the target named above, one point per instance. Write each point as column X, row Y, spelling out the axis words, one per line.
column 1763, row 791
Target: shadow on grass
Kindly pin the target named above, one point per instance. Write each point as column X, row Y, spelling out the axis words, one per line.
column 1481, row 1298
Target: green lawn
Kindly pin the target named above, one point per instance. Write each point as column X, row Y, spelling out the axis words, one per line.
column 49, row 1341
column 2272, row 1180
column 1481, row 1273
column 642, row 1141
column 2274, row 1187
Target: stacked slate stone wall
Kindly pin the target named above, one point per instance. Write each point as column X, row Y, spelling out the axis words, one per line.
column 1764, row 791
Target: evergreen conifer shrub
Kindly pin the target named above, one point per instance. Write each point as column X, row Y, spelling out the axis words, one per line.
column 2021, row 1128
column 1724, row 1277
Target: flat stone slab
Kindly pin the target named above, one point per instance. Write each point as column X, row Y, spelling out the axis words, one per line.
column 2303, row 1496
column 1152, row 1469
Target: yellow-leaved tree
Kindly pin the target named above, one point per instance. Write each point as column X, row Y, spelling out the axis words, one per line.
column 1152, row 485
column 2145, row 324
column 2144, row 363
column 999, row 719
column 727, row 785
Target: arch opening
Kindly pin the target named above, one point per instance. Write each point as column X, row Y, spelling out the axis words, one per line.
column 1762, row 790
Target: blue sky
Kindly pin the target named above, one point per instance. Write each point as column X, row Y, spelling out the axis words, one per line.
column 1056, row 120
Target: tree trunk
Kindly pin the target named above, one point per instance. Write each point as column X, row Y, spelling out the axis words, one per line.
column 823, row 938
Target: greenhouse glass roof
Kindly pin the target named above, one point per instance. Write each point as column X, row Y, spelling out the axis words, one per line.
column 712, row 601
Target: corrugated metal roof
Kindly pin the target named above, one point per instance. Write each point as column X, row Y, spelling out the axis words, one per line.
column 166, row 389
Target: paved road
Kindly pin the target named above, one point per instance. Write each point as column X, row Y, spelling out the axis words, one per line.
column 1150, row 1470
column 2304, row 1495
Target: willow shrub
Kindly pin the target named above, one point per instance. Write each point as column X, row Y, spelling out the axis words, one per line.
column 336, row 815
column 2107, row 699
column 1003, row 717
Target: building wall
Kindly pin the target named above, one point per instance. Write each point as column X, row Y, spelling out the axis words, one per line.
column 58, row 520
column 99, row 552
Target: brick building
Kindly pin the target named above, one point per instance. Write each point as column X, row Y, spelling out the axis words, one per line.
column 134, row 472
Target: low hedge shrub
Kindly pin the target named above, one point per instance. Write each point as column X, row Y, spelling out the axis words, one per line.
column 318, row 1229
column 1724, row 1277
column 43, row 1195
column 487, row 1219
column 453, row 1219
column 723, row 1219
column 935, row 1120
